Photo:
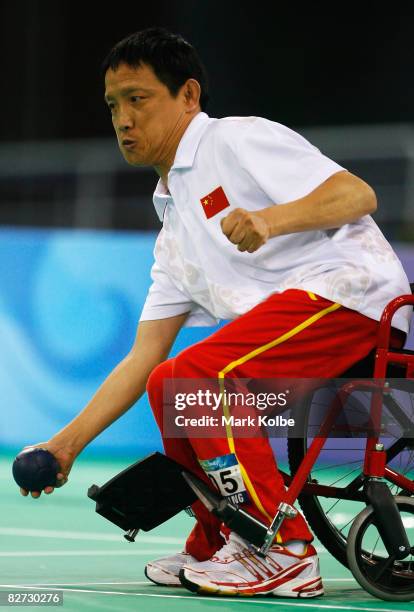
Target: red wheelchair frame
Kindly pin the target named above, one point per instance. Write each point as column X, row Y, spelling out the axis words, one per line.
column 375, row 469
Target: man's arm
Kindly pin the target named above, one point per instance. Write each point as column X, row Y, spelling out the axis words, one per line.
column 119, row 391
column 342, row 198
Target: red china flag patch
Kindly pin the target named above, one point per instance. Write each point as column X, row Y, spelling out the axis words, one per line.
column 214, row 202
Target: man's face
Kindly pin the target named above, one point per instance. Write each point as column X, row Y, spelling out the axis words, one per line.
column 144, row 113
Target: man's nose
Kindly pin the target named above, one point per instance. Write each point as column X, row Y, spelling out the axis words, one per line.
column 125, row 121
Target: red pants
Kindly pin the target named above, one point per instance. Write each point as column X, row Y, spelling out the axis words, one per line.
column 294, row 334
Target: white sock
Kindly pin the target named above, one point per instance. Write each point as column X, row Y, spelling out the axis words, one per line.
column 296, row 546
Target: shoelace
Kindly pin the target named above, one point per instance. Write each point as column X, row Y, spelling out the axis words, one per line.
column 234, row 545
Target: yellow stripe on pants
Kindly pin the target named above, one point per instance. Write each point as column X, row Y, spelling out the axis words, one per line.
column 234, row 364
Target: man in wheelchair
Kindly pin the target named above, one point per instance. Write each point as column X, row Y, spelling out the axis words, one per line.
column 261, row 229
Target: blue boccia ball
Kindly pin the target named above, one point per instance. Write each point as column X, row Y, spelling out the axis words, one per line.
column 35, row 468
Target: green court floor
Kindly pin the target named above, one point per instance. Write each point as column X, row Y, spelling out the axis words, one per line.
column 59, row 542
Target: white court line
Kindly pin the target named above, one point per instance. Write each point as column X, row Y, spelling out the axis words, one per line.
column 136, row 582
column 338, row 579
column 82, row 553
column 85, row 535
column 96, row 536
column 240, row 600
column 87, row 553
column 76, row 584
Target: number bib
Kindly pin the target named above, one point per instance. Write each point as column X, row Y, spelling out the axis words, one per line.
column 224, row 473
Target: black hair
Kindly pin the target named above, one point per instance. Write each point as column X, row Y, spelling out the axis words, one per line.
column 172, row 59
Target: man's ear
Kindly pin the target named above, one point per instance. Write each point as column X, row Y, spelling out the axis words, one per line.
column 192, row 92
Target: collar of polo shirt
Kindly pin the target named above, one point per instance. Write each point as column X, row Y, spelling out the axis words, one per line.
column 184, row 158
column 187, row 148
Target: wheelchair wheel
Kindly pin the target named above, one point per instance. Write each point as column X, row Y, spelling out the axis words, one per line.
column 340, row 465
column 371, row 564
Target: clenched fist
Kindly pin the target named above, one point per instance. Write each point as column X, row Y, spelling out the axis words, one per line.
column 247, row 229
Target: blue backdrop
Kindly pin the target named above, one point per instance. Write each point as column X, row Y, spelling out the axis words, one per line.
column 69, row 306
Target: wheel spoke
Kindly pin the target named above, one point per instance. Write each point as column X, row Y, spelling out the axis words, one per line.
column 345, row 476
column 332, row 507
column 336, row 465
column 376, row 544
column 346, row 525
column 339, row 465
column 381, row 568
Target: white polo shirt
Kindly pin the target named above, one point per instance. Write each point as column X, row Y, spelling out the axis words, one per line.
column 258, row 163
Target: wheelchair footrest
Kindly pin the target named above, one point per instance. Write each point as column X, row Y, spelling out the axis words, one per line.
column 144, row 495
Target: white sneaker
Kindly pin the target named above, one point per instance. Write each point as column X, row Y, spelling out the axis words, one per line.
column 237, row 570
column 165, row 571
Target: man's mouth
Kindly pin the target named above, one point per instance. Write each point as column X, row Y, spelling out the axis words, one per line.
column 127, row 143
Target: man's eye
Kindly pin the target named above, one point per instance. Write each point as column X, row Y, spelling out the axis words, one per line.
column 111, row 107
column 136, row 98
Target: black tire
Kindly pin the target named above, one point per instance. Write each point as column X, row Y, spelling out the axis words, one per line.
column 396, row 582
column 318, row 511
